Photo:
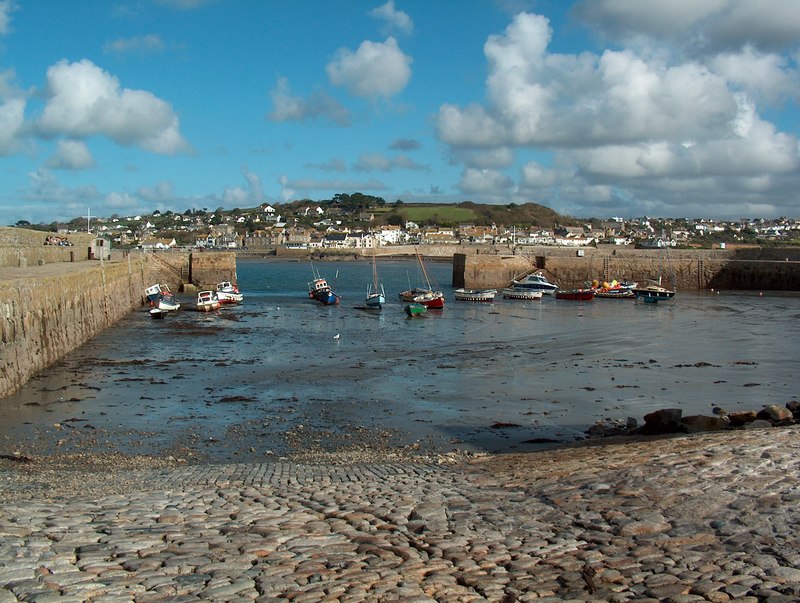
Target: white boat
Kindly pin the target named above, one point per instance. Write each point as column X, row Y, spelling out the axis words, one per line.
column 161, row 298
column 427, row 296
column 475, row 295
column 228, row 293
column 207, row 301
column 517, row 293
column 376, row 296
column 537, row 282
column 655, row 291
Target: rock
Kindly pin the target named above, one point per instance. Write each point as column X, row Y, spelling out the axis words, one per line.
column 699, row 423
column 775, row 413
column 758, row 424
column 738, row 419
column 667, row 420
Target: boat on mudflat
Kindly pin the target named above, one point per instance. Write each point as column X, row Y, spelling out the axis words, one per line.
column 415, row 310
column 537, row 282
column 228, row 293
column 207, row 301
column 575, row 294
column 160, row 297
column 427, row 296
column 614, row 289
column 519, row 293
column 320, row 290
column 475, row 295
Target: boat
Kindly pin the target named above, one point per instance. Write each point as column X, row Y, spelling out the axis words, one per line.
column 376, row 296
column 519, row 293
column 537, row 282
column 157, row 313
column 655, row 291
column 320, row 290
column 228, row 293
column 427, row 296
column 207, row 301
column 475, row 295
column 614, row 289
column 415, row 310
column 575, row 294
column 160, row 297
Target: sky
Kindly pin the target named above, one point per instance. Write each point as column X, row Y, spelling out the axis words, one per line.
column 595, row 108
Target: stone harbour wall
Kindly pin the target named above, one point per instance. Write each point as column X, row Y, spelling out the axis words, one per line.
column 44, row 318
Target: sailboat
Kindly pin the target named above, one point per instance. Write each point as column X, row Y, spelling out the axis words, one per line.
column 375, row 294
column 427, row 296
column 654, row 291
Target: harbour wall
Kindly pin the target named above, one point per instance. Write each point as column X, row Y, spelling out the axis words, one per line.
column 745, row 269
column 53, row 302
column 44, row 317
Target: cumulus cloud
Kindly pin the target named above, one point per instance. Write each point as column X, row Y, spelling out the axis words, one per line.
column 71, row 155
column 375, row 70
column 159, row 193
column 287, row 107
column 83, row 100
column 706, row 27
column 138, row 44
column 395, row 20
column 484, row 182
column 249, row 196
column 624, row 126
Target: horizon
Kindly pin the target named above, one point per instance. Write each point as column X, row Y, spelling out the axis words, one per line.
column 595, row 108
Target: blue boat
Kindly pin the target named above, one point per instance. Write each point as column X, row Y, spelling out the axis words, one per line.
column 320, row 290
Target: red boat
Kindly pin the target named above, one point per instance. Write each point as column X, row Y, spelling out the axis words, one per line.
column 575, row 294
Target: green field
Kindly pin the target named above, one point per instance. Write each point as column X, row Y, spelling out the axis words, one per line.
column 439, row 213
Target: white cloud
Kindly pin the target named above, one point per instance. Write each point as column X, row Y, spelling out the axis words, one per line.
column 369, row 162
column 294, row 108
column 139, row 44
column 83, row 100
column 6, row 8
column 626, row 127
column 71, row 155
column 374, row 70
column 12, row 118
column 396, row 20
column 117, row 201
column 160, row 192
column 249, row 196
column 488, row 182
column 704, row 27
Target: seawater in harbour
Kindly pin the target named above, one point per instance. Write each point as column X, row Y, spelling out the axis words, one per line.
column 270, row 374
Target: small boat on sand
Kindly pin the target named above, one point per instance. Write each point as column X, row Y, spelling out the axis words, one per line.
column 413, row 310
column 228, row 293
column 537, row 282
column 207, row 301
column 475, row 295
column 520, row 293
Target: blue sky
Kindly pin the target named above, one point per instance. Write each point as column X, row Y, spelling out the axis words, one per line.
column 596, row 108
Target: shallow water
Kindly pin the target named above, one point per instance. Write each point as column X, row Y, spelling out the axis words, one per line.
column 495, row 377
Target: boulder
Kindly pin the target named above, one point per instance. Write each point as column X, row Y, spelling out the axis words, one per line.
column 739, row 419
column 775, row 414
column 666, row 420
column 758, row 424
column 699, row 423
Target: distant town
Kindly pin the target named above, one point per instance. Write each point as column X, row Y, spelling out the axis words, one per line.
column 362, row 221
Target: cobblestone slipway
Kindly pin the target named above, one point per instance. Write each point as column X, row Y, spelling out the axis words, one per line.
column 704, row 518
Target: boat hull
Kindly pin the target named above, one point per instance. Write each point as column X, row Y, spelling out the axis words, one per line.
column 525, row 294
column 475, row 295
column 413, row 310
column 653, row 295
column 575, row 294
column 375, row 301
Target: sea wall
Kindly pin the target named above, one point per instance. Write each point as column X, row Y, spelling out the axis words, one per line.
column 746, row 269
column 20, row 247
column 45, row 317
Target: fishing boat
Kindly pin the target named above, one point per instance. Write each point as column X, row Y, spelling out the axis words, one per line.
column 320, row 290
column 519, row 293
column 228, row 293
column 160, row 297
column 575, row 294
column 415, row 310
column 537, row 282
column 157, row 313
column 427, row 296
column 614, row 289
column 207, row 301
column 375, row 294
column 655, row 291
column 475, row 295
